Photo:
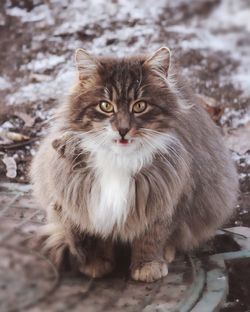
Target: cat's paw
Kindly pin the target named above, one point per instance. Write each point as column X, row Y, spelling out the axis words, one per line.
column 97, row 267
column 150, row 271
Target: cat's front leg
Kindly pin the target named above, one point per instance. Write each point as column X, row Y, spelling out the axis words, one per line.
column 99, row 257
column 148, row 263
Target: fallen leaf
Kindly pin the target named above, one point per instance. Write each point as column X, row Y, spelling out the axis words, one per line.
column 11, row 166
column 214, row 109
column 238, row 139
column 13, row 136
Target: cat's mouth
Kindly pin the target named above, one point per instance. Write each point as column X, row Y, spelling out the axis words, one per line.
column 123, row 141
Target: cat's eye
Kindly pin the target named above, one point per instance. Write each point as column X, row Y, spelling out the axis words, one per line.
column 139, row 107
column 106, row 107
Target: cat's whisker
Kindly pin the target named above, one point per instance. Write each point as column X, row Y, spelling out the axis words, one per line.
column 165, row 159
column 170, row 139
column 167, row 148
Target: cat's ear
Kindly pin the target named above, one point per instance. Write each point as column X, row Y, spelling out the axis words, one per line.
column 85, row 63
column 160, row 61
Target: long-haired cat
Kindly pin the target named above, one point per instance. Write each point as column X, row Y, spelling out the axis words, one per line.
column 131, row 157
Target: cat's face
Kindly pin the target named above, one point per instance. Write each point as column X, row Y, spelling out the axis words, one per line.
column 122, row 105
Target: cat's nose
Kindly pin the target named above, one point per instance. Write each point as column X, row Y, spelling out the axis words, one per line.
column 123, row 131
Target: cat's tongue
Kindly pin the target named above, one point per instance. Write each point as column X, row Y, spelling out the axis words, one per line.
column 123, row 141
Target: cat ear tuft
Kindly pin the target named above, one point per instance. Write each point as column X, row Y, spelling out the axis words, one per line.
column 160, row 60
column 85, row 63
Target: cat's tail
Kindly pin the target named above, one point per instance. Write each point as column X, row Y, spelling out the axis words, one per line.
column 51, row 241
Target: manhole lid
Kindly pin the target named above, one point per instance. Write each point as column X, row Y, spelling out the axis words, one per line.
column 27, row 279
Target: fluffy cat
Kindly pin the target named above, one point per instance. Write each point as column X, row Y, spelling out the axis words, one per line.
column 131, row 157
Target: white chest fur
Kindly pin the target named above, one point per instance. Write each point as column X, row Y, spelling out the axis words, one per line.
column 111, row 195
column 113, row 191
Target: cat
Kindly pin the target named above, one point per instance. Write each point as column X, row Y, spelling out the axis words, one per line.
column 131, row 157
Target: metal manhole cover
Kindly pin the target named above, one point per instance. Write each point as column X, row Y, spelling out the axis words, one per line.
column 27, row 279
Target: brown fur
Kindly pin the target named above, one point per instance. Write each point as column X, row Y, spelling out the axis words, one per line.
column 176, row 201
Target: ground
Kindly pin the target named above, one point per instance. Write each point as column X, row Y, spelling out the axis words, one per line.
column 209, row 39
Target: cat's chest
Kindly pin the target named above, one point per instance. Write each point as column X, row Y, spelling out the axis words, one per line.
column 110, row 199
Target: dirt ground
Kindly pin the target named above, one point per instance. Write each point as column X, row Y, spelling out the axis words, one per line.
column 210, row 42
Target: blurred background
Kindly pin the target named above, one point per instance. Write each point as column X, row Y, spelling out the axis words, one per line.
column 209, row 40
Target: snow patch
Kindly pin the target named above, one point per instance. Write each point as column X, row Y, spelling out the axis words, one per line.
column 237, row 118
column 39, row 13
column 4, row 84
column 44, row 62
column 225, row 29
column 54, row 88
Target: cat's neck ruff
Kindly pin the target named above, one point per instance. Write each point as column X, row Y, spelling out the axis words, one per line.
column 113, row 191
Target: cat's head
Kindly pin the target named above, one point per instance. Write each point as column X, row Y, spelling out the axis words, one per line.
column 124, row 104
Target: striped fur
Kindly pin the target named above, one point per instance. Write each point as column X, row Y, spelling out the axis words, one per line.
column 170, row 187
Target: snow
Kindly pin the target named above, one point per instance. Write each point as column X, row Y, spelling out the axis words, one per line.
column 101, row 12
column 143, row 38
column 233, row 14
column 44, row 62
column 74, row 19
column 39, row 13
column 6, row 125
column 4, row 84
column 237, row 118
column 126, row 21
column 211, row 32
column 11, row 166
column 54, row 88
column 121, row 27
column 226, row 29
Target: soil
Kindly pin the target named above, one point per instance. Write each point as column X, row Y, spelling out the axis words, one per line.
column 209, row 40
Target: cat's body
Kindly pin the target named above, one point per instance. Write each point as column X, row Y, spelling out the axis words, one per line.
column 156, row 175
